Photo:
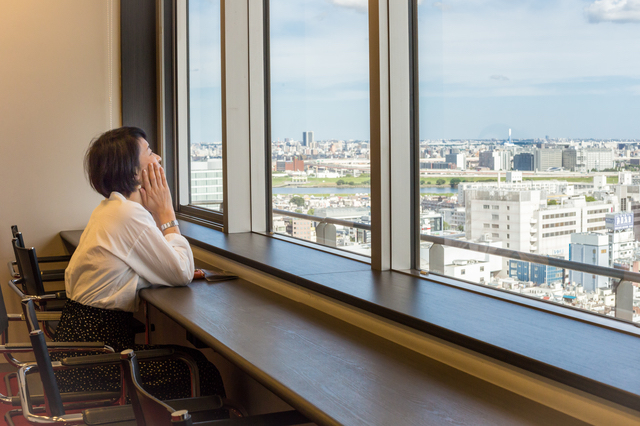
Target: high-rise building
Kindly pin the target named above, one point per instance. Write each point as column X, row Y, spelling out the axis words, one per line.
column 569, row 159
column 457, row 159
column 549, row 158
column 592, row 249
column 622, row 242
column 523, row 221
column 206, row 183
column 524, row 161
column 307, row 139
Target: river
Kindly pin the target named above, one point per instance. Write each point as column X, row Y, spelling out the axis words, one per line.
column 356, row 190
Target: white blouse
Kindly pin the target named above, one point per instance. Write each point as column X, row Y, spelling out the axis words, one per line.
column 121, row 251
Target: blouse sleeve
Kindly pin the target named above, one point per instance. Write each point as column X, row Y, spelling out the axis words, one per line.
column 162, row 259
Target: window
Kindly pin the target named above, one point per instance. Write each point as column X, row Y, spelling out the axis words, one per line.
column 457, row 77
column 203, row 174
column 319, row 141
column 486, row 225
column 459, row 108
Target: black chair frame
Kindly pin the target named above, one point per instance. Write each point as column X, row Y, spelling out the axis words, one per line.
column 54, row 411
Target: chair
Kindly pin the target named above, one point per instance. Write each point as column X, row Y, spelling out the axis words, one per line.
column 8, row 349
column 31, row 286
column 31, row 280
column 150, row 411
column 48, row 275
column 56, row 404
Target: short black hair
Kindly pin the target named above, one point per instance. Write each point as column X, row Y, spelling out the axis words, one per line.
column 113, row 159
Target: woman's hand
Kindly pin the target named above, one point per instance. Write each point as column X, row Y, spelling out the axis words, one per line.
column 155, row 195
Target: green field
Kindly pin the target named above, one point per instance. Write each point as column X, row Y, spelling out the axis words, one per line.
column 364, row 180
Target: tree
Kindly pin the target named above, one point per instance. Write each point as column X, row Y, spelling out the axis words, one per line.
column 589, row 198
column 421, row 181
column 298, row 201
column 551, row 202
column 441, row 182
column 460, row 227
column 311, row 211
column 455, row 181
column 340, row 182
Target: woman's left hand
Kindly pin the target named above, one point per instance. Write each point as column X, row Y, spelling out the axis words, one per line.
column 155, row 194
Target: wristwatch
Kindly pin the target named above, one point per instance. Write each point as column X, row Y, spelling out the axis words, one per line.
column 169, row 225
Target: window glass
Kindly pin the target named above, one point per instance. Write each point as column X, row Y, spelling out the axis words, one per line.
column 319, row 90
column 205, row 105
column 526, row 106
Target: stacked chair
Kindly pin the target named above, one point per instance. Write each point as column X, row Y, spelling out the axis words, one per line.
column 29, row 282
column 48, row 275
column 145, row 410
column 101, row 408
column 8, row 349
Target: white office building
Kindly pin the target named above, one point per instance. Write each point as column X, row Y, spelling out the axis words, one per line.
column 592, row 249
column 206, row 183
column 622, row 243
column 597, row 159
column 547, row 158
column 464, row 264
column 523, row 221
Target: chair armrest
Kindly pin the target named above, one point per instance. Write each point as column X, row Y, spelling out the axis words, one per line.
column 197, row 404
column 50, row 259
column 58, row 346
column 109, row 415
column 12, row 265
column 53, row 275
column 13, row 285
column 90, row 360
column 40, row 315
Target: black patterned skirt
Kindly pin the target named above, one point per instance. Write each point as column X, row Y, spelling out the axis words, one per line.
column 166, row 379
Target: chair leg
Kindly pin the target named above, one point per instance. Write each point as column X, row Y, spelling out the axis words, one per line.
column 7, row 382
column 9, row 415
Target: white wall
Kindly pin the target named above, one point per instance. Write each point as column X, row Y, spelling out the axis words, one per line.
column 59, row 88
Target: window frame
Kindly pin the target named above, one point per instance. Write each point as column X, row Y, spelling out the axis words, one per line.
column 393, row 47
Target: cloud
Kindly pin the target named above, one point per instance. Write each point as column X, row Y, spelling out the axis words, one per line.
column 499, row 77
column 358, row 5
column 617, row 11
column 438, row 5
column 362, row 5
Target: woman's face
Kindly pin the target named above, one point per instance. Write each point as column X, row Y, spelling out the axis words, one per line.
column 147, row 156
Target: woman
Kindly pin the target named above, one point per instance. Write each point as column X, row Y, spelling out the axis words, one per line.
column 132, row 240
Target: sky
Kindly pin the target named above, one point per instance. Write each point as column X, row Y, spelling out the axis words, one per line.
column 563, row 69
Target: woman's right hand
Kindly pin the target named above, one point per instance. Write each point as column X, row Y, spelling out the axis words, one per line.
column 155, row 194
